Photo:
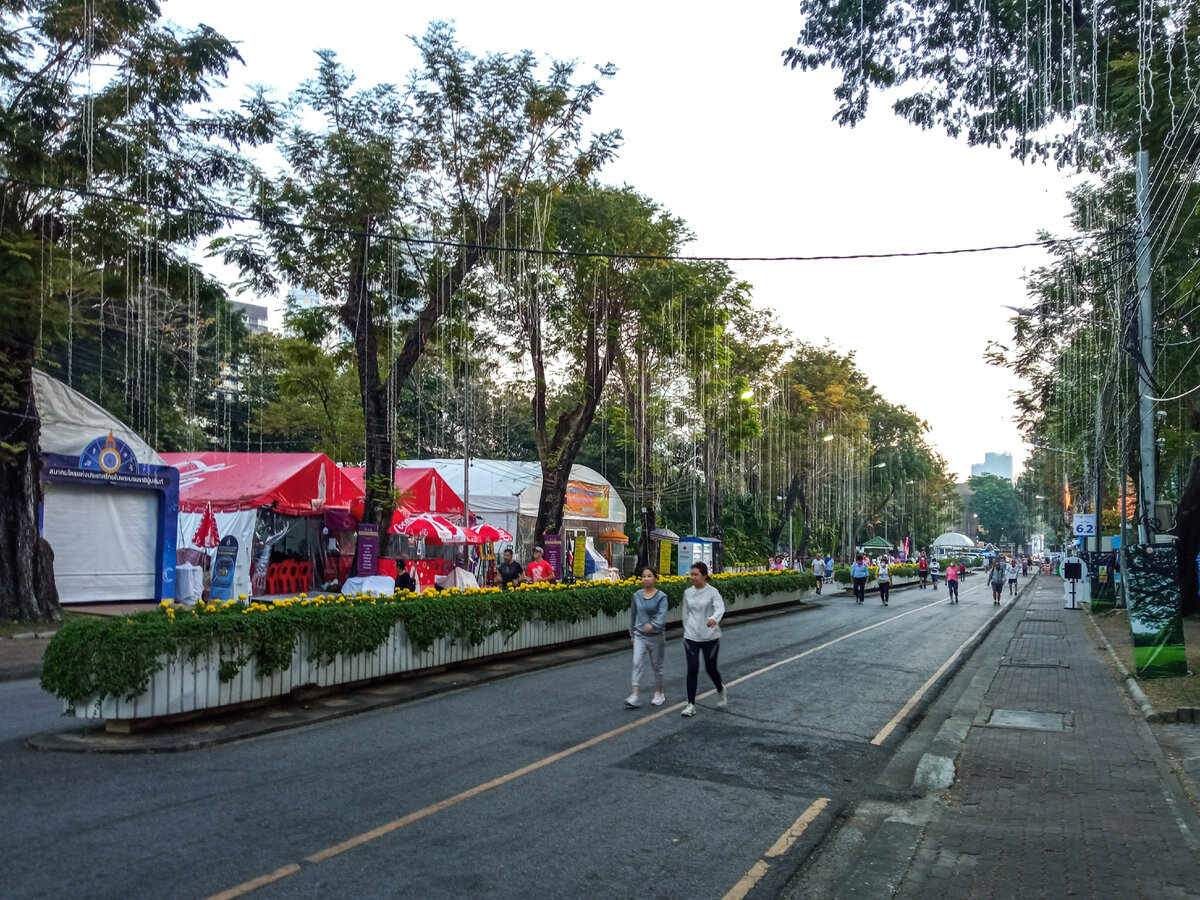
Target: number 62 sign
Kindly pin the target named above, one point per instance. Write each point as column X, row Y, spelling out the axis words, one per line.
column 1085, row 525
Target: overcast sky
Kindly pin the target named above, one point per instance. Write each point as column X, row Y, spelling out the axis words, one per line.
column 720, row 133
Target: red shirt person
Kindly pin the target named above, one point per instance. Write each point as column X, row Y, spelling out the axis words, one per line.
column 538, row 569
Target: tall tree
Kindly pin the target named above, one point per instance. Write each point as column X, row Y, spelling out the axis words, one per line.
column 573, row 308
column 97, row 107
column 387, row 207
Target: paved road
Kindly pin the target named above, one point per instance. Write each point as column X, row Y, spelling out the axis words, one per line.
column 541, row 785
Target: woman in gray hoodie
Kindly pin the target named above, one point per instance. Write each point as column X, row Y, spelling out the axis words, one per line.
column 647, row 628
column 702, row 612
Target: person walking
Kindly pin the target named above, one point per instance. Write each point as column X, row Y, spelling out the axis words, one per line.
column 923, row 570
column 996, row 580
column 647, row 628
column 884, row 577
column 702, row 612
column 1012, row 570
column 952, row 571
column 818, row 567
column 858, row 575
column 935, row 569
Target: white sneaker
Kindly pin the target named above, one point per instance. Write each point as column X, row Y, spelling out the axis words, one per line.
column 632, row 701
column 659, row 699
column 689, row 710
column 722, row 698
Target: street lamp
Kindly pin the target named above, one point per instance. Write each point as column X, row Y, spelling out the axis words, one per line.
column 747, row 394
column 827, row 438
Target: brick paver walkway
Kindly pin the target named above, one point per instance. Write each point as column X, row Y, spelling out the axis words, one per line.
column 1071, row 804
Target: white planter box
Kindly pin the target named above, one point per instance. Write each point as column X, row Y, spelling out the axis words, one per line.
column 186, row 685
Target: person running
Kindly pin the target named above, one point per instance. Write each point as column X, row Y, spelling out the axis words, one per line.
column 1012, row 570
column 858, row 575
column 884, row 577
column 702, row 612
column 952, row 572
column 996, row 580
column 818, row 567
column 923, row 570
column 647, row 628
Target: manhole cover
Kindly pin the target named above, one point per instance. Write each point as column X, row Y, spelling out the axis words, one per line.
column 1036, row 721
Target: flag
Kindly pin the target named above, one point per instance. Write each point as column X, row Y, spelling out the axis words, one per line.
column 1067, row 496
column 206, row 535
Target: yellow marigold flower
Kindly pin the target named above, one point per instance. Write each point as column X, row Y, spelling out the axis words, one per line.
column 241, row 596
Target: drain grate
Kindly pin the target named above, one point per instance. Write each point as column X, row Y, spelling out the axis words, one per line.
column 1036, row 663
column 1032, row 721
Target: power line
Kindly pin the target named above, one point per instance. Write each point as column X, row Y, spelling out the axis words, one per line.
column 530, row 251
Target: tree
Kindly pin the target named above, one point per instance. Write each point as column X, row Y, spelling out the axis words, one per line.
column 1001, row 516
column 387, row 209
column 95, row 178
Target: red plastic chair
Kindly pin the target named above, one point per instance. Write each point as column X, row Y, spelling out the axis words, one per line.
column 301, row 577
column 276, row 578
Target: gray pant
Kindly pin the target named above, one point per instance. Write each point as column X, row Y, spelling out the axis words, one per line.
column 654, row 646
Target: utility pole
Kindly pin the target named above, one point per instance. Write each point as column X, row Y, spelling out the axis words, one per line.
column 1145, row 369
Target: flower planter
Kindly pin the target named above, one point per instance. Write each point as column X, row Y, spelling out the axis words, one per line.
column 185, row 686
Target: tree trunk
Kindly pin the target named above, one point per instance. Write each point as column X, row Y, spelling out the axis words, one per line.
column 380, row 442
column 1187, row 530
column 558, row 452
column 27, row 589
column 795, row 494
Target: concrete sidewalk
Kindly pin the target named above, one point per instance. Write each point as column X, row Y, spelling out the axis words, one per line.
column 1059, row 787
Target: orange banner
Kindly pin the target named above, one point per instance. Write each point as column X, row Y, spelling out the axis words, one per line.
column 586, row 501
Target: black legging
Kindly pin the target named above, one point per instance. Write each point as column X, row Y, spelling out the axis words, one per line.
column 692, row 650
column 860, row 589
column 884, row 587
column 952, row 584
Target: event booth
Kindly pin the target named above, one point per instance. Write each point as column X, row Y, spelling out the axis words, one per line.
column 110, row 503
column 275, row 504
column 505, row 493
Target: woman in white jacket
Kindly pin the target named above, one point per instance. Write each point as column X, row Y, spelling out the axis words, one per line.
column 702, row 612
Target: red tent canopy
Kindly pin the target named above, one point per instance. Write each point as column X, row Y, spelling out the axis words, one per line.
column 294, row 483
column 421, row 491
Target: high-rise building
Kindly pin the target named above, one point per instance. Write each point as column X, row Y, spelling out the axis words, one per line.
column 256, row 316
column 999, row 464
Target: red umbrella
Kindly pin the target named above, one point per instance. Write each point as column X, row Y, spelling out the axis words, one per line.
column 434, row 529
column 490, row 534
column 206, row 535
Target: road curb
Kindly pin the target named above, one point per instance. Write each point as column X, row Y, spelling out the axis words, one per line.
column 1135, row 692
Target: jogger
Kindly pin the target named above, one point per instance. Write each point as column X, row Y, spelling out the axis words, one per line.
column 702, row 612
column 647, row 628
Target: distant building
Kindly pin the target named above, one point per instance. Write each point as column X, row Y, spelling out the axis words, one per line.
column 256, row 316
column 999, row 464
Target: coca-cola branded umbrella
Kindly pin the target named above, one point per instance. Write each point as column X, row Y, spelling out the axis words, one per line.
column 434, row 529
column 489, row 534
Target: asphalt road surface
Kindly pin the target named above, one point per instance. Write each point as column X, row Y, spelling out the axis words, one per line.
column 540, row 785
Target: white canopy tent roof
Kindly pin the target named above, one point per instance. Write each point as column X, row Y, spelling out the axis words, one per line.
column 501, row 490
column 953, row 540
column 70, row 421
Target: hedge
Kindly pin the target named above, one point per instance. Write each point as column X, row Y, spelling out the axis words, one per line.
column 101, row 656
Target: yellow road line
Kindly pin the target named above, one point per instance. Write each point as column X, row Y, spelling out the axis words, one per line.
column 403, row 821
column 254, row 884
column 747, row 882
column 784, row 844
column 916, row 698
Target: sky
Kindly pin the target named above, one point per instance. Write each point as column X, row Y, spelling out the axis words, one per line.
column 719, row 132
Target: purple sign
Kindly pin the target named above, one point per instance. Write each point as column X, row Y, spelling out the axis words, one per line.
column 554, row 553
column 366, row 558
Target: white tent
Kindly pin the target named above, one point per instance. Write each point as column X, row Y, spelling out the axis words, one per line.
column 105, row 538
column 952, row 542
column 505, row 493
